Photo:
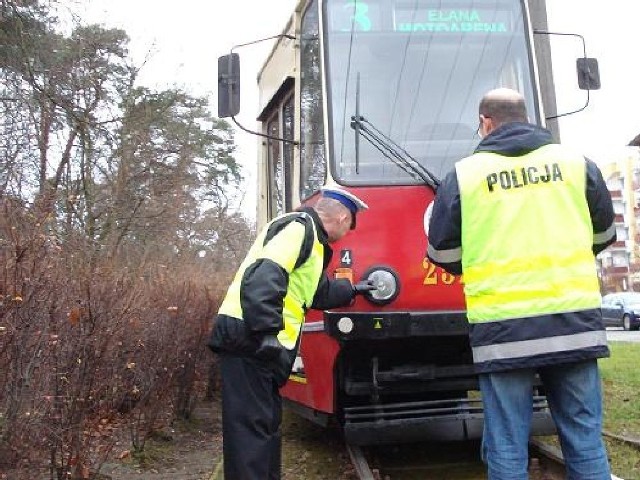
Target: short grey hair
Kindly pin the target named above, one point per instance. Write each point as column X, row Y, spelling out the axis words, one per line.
column 503, row 105
column 330, row 206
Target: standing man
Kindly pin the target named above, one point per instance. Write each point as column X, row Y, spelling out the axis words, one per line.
column 257, row 330
column 522, row 219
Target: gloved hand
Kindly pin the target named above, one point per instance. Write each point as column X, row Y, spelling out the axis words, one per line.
column 364, row 287
column 269, row 348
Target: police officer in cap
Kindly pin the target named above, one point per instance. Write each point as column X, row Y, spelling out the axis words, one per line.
column 257, row 329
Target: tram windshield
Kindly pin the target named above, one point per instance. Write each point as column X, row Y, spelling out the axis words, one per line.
column 416, row 70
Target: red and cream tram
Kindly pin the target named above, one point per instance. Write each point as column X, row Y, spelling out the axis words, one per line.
column 381, row 97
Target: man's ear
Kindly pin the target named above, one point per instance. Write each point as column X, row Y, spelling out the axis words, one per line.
column 491, row 125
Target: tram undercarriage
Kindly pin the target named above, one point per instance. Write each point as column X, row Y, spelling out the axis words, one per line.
column 421, row 387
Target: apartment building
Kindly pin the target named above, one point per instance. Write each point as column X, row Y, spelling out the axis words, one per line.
column 619, row 265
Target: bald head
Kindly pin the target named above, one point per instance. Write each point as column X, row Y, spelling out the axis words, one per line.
column 503, row 105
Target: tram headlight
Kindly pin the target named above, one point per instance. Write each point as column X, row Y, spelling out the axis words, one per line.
column 345, row 325
column 386, row 279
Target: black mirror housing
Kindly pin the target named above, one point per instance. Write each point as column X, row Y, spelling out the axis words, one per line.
column 588, row 73
column 228, row 85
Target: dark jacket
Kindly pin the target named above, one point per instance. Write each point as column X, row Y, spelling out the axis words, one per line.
column 514, row 140
column 263, row 288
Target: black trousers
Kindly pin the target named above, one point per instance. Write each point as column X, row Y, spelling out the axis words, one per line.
column 251, row 417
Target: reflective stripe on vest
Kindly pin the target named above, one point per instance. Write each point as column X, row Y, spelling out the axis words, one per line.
column 303, row 281
column 526, row 235
column 539, row 346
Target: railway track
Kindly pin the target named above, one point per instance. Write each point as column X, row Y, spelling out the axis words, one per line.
column 424, row 461
column 453, row 461
column 315, row 445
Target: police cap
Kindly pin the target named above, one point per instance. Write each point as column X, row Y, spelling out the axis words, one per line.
column 348, row 199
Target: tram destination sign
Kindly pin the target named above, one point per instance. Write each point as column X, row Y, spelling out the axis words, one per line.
column 402, row 16
column 450, row 21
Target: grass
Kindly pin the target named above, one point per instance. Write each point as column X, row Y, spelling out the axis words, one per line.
column 621, row 383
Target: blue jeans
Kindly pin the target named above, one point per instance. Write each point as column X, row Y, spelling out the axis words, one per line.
column 575, row 399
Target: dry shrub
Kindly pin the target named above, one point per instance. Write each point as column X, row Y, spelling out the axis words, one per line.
column 90, row 345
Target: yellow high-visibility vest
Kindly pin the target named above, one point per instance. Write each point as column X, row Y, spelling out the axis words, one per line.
column 526, row 235
column 283, row 249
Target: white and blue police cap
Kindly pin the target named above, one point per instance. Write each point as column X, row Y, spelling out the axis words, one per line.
column 348, row 199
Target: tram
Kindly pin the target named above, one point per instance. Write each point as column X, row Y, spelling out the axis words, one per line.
column 381, row 97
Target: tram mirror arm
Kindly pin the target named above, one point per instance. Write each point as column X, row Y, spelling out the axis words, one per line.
column 587, row 71
column 229, row 88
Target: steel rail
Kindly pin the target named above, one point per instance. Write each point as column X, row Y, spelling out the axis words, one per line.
column 360, row 463
column 540, row 450
column 555, row 454
column 634, row 441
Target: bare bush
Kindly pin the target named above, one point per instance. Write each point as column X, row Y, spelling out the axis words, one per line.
column 89, row 346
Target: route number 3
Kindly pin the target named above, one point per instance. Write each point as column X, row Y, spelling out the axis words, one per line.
column 435, row 275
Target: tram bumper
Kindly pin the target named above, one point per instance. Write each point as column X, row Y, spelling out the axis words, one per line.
column 437, row 420
column 385, row 325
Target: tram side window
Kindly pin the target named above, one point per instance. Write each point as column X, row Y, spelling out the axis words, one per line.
column 275, row 169
column 279, row 165
column 313, row 165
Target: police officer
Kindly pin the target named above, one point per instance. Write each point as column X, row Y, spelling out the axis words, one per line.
column 522, row 218
column 257, row 330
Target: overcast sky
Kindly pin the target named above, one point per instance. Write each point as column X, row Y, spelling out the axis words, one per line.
column 183, row 40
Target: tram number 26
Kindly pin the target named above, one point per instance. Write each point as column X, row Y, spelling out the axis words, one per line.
column 435, row 275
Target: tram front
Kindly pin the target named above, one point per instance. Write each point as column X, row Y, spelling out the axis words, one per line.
column 389, row 92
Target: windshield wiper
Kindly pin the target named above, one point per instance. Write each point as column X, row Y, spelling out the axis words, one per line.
column 390, row 149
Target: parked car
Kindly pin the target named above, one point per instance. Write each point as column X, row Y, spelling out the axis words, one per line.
column 621, row 310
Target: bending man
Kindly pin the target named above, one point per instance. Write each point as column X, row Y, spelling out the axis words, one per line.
column 257, row 330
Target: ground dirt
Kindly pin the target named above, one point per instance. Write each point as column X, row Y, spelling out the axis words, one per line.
column 193, row 451
column 187, row 451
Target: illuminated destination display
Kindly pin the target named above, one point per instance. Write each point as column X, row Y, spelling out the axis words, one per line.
column 377, row 16
column 453, row 21
column 359, row 15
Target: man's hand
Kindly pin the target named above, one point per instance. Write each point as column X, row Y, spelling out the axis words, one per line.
column 364, row 287
column 269, row 348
